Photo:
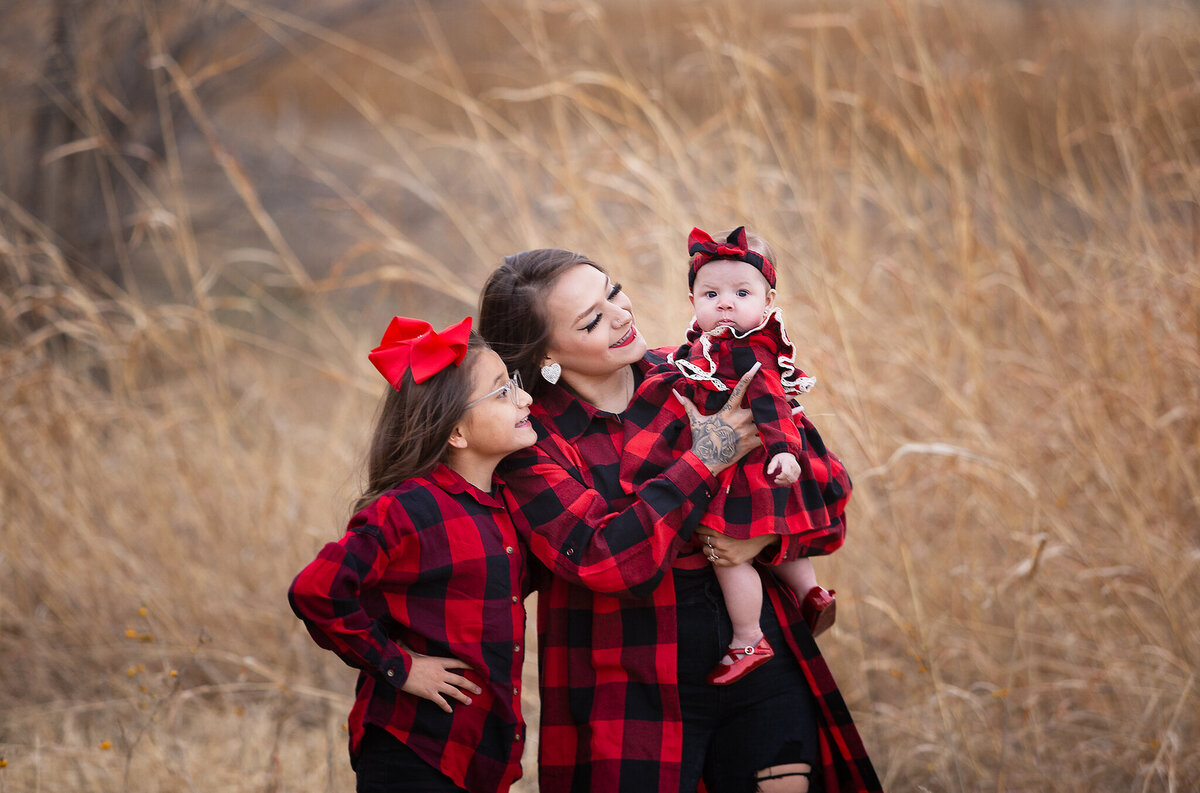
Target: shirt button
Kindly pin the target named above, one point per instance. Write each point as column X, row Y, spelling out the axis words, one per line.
column 516, row 599
column 570, row 552
column 516, row 648
column 516, row 691
column 508, row 550
column 391, row 673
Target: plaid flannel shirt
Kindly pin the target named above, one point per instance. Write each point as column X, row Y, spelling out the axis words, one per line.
column 747, row 502
column 607, row 633
column 436, row 567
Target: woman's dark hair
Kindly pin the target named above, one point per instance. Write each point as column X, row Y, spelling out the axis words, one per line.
column 413, row 426
column 512, row 308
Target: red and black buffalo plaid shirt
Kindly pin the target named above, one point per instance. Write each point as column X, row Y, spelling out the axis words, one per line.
column 610, row 711
column 436, row 566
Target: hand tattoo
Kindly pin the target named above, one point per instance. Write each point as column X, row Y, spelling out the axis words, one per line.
column 714, row 441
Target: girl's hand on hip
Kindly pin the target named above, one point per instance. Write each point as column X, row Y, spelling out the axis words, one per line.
column 730, row 552
column 723, row 438
column 430, row 678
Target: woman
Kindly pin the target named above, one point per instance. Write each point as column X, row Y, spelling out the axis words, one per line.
column 630, row 618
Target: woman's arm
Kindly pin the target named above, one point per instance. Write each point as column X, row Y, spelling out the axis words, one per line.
column 576, row 533
column 580, row 535
column 730, row 552
column 774, row 549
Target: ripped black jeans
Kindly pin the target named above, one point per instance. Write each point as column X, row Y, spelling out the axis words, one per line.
column 730, row 733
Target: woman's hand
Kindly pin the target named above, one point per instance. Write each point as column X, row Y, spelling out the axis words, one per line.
column 725, row 551
column 430, row 678
column 723, row 438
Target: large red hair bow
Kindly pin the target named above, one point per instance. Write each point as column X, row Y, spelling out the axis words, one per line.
column 704, row 249
column 413, row 345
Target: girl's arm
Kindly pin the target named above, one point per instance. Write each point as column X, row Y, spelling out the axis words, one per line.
column 327, row 596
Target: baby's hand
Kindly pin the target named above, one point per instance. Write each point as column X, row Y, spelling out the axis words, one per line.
column 786, row 468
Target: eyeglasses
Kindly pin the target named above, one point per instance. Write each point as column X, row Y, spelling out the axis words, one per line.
column 509, row 390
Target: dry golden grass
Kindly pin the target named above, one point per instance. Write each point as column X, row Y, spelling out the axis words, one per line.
column 988, row 216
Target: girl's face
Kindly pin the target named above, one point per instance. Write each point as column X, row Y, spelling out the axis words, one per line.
column 592, row 332
column 498, row 423
column 730, row 292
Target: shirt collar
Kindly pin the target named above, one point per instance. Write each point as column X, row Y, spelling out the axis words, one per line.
column 449, row 480
column 558, row 407
column 773, row 318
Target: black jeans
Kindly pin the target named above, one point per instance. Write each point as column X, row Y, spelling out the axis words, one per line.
column 731, row 732
column 386, row 765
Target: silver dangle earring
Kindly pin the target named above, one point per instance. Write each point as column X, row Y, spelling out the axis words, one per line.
column 551, row 372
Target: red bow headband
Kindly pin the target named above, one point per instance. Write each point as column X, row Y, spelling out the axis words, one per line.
column 705, row 249
column 413, row 345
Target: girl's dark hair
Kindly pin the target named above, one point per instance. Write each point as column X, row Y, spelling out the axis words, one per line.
column 413, row 425
column 512, row 308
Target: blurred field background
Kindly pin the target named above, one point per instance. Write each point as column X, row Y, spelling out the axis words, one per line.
column 988, row 216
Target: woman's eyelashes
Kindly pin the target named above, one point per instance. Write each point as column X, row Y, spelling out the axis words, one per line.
column 616, row 290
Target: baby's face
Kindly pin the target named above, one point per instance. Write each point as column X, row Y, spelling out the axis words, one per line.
column 730, row 292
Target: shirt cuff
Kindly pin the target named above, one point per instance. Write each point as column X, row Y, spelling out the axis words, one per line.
column 396, row 667
column 692, row 477
column 696, row 484
column 782, row 447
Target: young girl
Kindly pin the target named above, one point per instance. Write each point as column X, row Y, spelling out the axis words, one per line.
column 792, row 484
column 424, row 594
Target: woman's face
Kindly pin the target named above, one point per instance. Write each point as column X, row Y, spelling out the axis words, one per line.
column 592, row 332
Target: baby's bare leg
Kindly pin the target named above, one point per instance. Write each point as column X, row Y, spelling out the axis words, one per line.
column 742, row 589
column 798, row 574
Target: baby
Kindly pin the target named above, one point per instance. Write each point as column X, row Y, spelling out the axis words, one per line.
column 791, row 486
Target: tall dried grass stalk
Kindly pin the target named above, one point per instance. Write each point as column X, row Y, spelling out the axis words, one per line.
column 988, row 217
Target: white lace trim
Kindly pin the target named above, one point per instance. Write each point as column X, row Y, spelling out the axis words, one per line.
column 793, row 381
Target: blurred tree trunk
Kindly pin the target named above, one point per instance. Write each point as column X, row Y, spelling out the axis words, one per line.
column 96, row 127
column 52, row 185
